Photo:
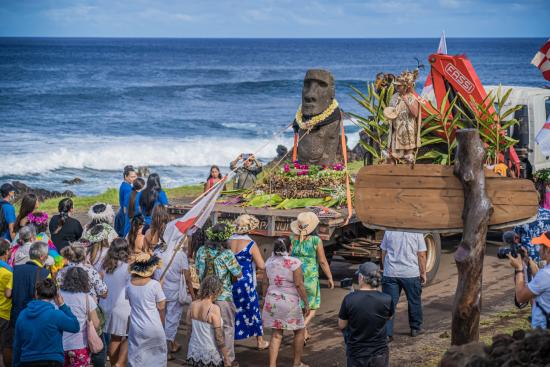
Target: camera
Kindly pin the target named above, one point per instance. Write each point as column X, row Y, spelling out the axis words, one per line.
column 513, row 248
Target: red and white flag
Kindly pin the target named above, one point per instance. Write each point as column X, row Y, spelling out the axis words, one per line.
column 542, row 60
column 428, row 90
column 195, row 217
column 543, row 138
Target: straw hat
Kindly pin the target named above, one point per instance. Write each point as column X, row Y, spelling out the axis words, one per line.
column 406, row 78
column 145, row 264
column 246, row 223
column 390, row 113
column 304, row 224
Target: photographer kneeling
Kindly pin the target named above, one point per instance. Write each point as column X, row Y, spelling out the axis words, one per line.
column 539, row 287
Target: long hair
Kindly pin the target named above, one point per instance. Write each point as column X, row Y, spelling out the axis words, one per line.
column 117, row 252
column 135, row 228
column 151, row 193
column 210, row 173
column 64, row 207
column 28, row 204
column 95, row 249
column 138, row 184
column 159, row 220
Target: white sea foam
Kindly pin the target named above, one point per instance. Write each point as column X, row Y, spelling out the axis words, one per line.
column 106, row 153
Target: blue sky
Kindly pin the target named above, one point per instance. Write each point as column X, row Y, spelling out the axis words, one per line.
column 275, row 18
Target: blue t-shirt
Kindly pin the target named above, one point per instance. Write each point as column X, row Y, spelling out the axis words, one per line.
column 540, row 286
column 161, row 199
column 9, row 217
column 402, row 250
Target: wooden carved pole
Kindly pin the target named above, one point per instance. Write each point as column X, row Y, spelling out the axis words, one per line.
column 469, row 255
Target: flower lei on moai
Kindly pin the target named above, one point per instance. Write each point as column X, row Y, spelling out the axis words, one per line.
column 309, row 124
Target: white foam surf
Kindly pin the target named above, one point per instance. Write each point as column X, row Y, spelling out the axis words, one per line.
column 110, row 153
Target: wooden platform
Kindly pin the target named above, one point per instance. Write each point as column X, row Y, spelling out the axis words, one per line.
column 430, row 197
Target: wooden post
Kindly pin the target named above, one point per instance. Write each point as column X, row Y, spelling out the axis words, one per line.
column 469, row 255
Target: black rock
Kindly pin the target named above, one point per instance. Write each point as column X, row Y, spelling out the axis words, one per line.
column 74, row 181
column 42, row 194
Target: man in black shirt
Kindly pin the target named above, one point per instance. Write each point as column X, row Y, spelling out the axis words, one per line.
column 362, row 318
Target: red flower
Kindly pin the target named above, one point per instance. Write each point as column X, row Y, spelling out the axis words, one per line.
column 277, row 324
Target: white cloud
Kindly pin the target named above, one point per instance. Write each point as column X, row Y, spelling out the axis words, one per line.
column 71, row 14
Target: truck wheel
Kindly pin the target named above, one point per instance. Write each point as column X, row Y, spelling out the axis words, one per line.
column 433, row 246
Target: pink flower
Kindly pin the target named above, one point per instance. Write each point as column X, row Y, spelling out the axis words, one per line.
column 277, row 324
column 287, row 263
column 267, row 307
column 278, row 280
column 296, row 165
column 287, row 168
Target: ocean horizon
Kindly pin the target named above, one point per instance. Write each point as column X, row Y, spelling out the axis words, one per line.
column 85, row 107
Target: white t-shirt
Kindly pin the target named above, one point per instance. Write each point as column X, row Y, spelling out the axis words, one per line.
column 77, row 303
column 540, row 286
column 402, row 249
column 174, row 276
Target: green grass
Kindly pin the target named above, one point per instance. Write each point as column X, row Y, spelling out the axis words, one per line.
column 82, row 203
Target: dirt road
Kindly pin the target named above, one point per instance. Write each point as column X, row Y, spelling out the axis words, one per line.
column 326, row 346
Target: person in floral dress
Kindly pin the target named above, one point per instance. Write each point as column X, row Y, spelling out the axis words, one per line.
column 308, row 248
column 248, row 321
column 283, row 290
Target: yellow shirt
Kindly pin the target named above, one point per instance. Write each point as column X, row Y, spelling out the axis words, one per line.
column 6, row 282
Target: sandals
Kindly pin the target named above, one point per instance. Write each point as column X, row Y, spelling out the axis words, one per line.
column 264, row 346
column 302, row 364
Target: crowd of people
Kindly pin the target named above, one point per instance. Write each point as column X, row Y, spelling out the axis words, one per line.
column 114, row 290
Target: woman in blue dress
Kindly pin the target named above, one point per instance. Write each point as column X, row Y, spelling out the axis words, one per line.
column 131, row 204
column 150, row 197
column 124, row 191
column 248, row 321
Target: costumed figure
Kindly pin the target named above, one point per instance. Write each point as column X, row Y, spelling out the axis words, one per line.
column 318, row 121
column 404, row 116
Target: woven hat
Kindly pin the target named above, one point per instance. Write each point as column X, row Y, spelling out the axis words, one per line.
column 246, row 223
column 304, row 224
column 99, row 232
column 144, row 264
column 101, row 212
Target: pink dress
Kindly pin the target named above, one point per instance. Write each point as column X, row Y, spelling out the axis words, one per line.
column 282, row 303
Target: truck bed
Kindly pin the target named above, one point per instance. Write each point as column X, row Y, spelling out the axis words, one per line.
column 273, row 222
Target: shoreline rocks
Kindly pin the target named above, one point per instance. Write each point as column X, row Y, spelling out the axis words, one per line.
column 42, row 194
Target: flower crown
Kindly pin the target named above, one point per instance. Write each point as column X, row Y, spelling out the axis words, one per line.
column 229, row 229
column 38, row 218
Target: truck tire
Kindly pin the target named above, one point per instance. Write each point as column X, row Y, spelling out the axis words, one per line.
column 433, row 246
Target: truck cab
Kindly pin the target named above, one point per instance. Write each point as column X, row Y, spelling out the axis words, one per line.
column 532, row 116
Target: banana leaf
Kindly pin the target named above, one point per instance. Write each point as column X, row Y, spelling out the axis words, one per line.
column 262, row 201
column 302, row 203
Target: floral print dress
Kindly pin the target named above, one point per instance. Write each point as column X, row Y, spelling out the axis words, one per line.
column 306, row 252
column 282, row 308
column 248, row 321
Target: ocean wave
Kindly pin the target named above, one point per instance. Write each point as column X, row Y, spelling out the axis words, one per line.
column 112, row 154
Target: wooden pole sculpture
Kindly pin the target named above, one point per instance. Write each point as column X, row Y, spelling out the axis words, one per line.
column 469, row 255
